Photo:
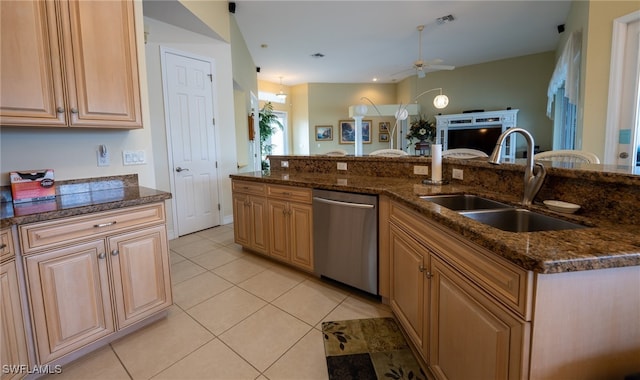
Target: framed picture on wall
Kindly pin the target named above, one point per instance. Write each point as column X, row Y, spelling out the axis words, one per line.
column 324, row 132
column 346, row 129
column 383, row 137
column 384, row 126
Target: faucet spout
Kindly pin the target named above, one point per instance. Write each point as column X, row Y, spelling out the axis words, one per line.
column 534, row 172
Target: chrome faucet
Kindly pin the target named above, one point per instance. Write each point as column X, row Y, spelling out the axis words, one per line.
column 534, row 172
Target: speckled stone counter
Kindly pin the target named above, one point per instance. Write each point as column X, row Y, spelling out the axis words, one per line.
column 78, row 197
column 610, row 241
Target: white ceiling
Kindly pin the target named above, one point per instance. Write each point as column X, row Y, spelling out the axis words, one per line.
column 367, row 38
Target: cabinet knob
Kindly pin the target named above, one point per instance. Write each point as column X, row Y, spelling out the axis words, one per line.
column 60, row 109
column 74, row 110
column 115, row 252
column 428, row 274
column 102, row 255
column 3, row 246
column 421, row 268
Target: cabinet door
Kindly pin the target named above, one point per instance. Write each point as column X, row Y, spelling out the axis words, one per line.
column 139, row 263
column 409, row 286
column 301, row 236
column 278, row 226
column 471, row 336
column 242, row 219
column 101, row 63
column 31, row 89
column 13, row 341
column 259, row 237
column 69, row 297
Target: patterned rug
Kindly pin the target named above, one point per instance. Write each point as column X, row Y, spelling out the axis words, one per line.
column 362, row 349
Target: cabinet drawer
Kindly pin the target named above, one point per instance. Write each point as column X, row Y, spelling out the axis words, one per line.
column 6, row 245
column 290, row 193
column 247, row 187
column 505, row 281
column 37, row 236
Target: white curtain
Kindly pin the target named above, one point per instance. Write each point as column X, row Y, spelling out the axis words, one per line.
column 567, row 72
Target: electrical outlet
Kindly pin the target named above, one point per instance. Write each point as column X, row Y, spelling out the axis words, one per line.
column 104, row 158
column 457, row 174
column 342, row 166
column 420, row 170
column 284, row 164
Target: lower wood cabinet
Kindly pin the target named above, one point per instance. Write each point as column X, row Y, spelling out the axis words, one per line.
column 409, row 286
column 101, row 283
column 461, row 330
column 471, row 336
column 290, row 232
column 13, row 339
column 274, row 220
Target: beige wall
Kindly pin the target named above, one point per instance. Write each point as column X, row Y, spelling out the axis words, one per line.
column 596, row 65
column 594, row 19
column 520, row 83
column 72, row 153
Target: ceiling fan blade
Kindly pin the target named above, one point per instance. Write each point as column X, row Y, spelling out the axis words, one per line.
column 403, row 71
column 440, row 67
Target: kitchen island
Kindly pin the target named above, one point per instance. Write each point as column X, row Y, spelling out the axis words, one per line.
column 479, row 302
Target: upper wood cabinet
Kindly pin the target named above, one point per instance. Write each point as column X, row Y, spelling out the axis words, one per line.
column 69, row 63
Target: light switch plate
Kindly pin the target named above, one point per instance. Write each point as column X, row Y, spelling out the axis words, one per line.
column 457, row 174
column 342, row 166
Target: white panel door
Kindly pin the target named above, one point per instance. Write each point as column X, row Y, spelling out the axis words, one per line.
column 189, row 96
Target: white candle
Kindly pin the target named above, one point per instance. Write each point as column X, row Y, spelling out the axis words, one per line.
column 436, row 162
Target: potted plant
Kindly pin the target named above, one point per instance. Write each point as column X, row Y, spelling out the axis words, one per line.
column 424, row 130
column 269, row 124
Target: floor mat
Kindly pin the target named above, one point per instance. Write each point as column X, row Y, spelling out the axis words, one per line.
column 368, row 349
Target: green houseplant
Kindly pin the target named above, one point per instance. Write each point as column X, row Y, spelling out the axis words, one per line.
column 269, row 124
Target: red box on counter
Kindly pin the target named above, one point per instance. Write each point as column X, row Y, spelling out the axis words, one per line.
column 32, row 185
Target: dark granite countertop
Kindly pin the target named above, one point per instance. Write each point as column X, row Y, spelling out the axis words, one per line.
column 78, row 197
column 603, row 245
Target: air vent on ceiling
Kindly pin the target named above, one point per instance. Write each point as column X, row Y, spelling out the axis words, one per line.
column 317, row 55
column 445, row 19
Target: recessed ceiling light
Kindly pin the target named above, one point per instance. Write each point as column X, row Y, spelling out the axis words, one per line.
column 375, row 79
column 264, row 46
column 317, row 55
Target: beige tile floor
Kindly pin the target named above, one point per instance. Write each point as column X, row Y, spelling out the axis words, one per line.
column 236, row 315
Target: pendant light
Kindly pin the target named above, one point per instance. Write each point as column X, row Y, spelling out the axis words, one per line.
column 281, row 94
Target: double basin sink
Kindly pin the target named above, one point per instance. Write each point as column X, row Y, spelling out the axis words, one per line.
column 500, row 215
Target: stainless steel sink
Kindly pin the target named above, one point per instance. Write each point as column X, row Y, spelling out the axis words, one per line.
column 520, row 220
column 463, row 202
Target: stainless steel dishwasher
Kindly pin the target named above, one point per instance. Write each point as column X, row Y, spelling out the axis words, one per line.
column 345, row 238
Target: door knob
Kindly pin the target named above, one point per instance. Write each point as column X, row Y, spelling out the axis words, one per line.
column 624, row 155
column 179, row 169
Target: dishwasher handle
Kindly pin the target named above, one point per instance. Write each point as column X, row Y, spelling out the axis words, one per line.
column 340, row 203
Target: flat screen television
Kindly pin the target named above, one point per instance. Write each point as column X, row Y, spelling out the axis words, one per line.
column 483, row 138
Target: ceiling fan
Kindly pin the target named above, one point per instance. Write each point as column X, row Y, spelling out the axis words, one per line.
column 421, row 65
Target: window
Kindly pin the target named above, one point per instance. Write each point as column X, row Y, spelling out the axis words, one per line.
column 563, row 92
column 564, row 122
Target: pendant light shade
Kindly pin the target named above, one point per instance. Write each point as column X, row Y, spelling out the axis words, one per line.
column 441, row 101
column 281, row 94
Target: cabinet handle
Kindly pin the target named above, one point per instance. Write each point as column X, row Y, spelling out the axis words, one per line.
column 115, row 252
column 428, row 275
column 421, row 268
column 102, row 255
column 247, row 203
column 3, row 246
column 60, row 109
column 74, row 110
column 104, row 224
